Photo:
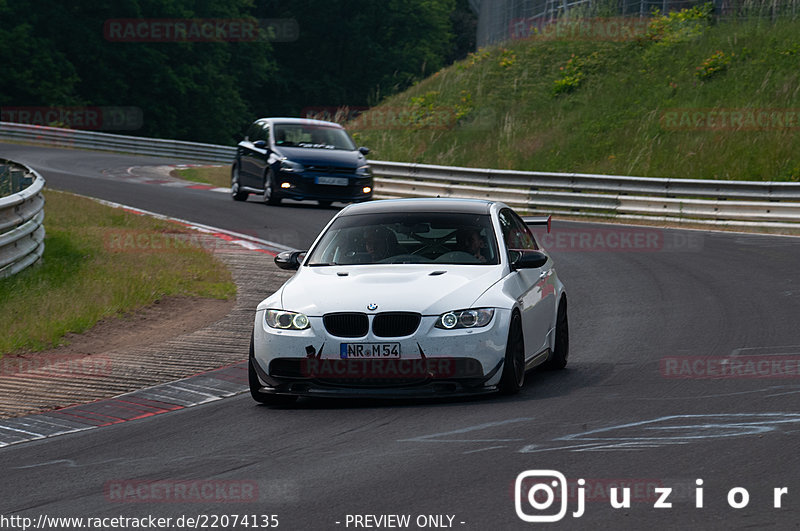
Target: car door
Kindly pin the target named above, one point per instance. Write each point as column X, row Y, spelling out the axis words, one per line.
column 261, row 156
column 250, row 172
column 245, row 156
column 536, row 287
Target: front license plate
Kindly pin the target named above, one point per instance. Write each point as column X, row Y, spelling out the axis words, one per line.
column 336, row 181
column 369, row 350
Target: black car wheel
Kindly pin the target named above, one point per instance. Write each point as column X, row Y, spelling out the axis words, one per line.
column 513, row 376
column 270, row 197
column 236, row 192
column 255, row 385
column 558, row 359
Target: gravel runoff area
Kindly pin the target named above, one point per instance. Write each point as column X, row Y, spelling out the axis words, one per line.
column 38, row 383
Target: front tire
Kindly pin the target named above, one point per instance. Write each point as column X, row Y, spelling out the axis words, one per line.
column 270, row 197
column 558, row 359
column 255, row 385
column 236, row 193
column 513, row 377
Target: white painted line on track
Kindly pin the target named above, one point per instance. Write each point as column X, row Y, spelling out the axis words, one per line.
column 484, row 449
column 434, row 437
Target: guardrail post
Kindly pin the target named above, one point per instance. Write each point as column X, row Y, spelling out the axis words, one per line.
column 5, row 181
column 16, row 181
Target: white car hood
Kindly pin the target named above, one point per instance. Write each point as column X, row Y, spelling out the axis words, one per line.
column 316, row 291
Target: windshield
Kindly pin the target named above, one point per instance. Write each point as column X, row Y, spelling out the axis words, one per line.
column 407, row 238
column 312, row 137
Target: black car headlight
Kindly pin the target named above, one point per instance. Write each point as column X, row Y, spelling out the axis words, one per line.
column 291, row 166
column 284, row 320
column 472, row 318
column 364, row 171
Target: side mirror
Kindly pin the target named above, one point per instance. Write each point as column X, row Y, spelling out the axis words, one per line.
column 526, row 259
column 363, row 150
column 260, row 144
column 289, row 259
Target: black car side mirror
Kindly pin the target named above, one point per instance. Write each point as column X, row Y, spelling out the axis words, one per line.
column 289, row 259
column 363, row 150
column 260, row 144
column 526, row 259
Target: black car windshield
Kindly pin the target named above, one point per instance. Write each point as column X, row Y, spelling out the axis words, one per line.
column 407, row 238
column 312, row 136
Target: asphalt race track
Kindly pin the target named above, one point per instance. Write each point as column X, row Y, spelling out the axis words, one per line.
column 635, row 408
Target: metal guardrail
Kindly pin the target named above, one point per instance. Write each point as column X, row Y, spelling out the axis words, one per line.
column 743, row 203
column 21, row 217
column 54, row 136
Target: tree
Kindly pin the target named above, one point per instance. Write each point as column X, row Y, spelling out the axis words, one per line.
column 353, row 52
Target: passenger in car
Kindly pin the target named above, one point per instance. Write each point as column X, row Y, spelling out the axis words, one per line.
column 470, row 241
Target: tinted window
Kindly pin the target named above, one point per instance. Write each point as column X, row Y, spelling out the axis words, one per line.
column 259, row 131
column 312, row 137
column 252, row 132
column 515, row 232
column 408, row 238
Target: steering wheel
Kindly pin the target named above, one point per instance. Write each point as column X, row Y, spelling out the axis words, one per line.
column 432, row 243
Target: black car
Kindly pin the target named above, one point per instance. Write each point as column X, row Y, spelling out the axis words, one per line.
column 295, row 158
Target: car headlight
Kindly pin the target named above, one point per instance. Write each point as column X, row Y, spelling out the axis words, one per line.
column 291, row 166
column 284, row 320
column 364, row 171
column 472, row 318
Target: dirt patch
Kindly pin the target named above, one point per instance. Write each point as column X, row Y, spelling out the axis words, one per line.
column 165, row 319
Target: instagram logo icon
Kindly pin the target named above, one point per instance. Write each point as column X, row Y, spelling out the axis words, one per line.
column 536, row 492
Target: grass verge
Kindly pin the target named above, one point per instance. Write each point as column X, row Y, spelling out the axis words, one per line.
column 100, row 262
column 648, row 106
column 216, row 175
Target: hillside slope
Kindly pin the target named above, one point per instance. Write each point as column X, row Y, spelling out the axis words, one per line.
column 684, row 98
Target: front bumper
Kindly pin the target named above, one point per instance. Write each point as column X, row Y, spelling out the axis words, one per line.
column 433, row 362
column 304, row 186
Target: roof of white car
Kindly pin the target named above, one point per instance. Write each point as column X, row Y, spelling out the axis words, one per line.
column 436, row 204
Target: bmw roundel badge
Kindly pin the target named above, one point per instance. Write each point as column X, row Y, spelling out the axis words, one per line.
column 372, row 306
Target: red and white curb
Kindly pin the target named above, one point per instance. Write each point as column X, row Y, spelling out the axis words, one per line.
column 251, row 243
column 162, row 398
column 160, row 175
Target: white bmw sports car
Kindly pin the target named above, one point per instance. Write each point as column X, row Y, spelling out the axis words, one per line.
column 411, row 297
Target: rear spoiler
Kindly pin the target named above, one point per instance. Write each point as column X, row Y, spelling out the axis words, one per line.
column 538, row 220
